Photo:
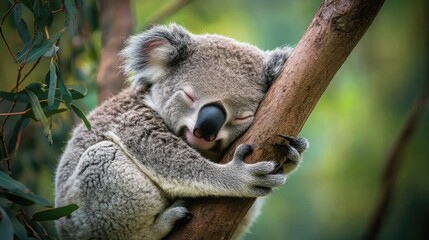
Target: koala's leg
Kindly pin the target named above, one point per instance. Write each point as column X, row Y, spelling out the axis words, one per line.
column 116, row 200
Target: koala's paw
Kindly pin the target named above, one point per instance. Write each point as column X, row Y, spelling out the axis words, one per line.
column 175, row 215
column 256, row 179
column 182, row 214
column 292, row 151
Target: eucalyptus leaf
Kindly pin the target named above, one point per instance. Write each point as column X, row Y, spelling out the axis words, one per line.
column 12, row 96
column 42, row 16
column 39, row 50
column 77, row 92
column 17, row 192
column 4, row 202
column 65, row 93
column 52, row 84
column 6, row 227
column 54, row 213
column 10, row 184
column 39, row 114
column 48, row 113
column 18, row 228
column 23, row 32
column 82, row 116
column 17, row 13
column 37, row 40
column 36, row 87
column 71, row 11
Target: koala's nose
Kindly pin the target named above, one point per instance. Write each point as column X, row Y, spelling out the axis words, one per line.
column 209, row 122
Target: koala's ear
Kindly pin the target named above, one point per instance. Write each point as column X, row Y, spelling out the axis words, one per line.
column 274, row 62
column 147, row 56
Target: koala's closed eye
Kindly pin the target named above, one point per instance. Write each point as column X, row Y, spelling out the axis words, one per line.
column 243, row 118
column 188, row 95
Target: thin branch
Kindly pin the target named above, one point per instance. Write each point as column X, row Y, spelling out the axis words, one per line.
column 393, row 162
column 5, row 154
column 14, row 113
column 29, row 72
column 1, row 30
column 167, row 12
column 25, row 218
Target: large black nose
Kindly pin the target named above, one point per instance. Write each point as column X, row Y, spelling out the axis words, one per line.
column 209, row 122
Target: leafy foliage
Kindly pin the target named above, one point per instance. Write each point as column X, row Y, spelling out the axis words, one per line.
column 41, row 102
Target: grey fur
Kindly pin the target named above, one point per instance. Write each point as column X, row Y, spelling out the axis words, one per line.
column 275, row 61
column 137, row 160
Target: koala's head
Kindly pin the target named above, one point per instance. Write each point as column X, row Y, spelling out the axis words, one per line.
column 206, row 87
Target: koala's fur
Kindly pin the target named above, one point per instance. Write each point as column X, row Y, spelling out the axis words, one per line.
column 130, row 171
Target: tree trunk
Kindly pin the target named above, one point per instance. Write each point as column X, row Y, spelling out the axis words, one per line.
column 116, row 26
column 333, row 33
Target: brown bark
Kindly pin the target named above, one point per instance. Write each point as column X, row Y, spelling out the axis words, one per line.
column 333, row 33
column 116, row 26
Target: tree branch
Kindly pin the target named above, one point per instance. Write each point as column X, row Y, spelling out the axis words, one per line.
column 116, row 26
column 333, row 33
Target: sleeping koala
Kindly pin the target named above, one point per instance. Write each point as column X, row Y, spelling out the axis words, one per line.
column 159, row 140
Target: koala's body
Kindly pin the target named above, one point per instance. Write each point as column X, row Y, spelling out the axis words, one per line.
column 158, row 141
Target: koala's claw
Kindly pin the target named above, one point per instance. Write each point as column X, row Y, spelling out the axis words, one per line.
column 292, row 151
column 299, row 143
column 292, row 155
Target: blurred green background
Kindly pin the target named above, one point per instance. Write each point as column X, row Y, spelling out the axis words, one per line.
column 351, row 130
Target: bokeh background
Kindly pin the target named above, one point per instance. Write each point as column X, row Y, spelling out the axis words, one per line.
column 351, row 130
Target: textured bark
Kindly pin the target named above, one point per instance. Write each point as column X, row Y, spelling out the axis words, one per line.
column 333, row 33
column 116, row 26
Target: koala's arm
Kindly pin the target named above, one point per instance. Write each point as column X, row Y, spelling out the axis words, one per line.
column 182, row 172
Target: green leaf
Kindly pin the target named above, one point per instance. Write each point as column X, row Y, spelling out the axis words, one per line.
column 49, row 113
column 41, row 49
column 54, row 213
column 71, row 11
column 23, row 32
column 52, row 84
column 17, row 12
column 77, row 92
column 42, row 15
column 4, row 202
column 22, row 96
column 37, row 40
column 10, row 184
column 6, row 227
column 39, row 90
column 36, row 87
column 18, row 228
column 11, row 96
column 82, row 116
column 65, row 93
column 39, row 114
column 17, row 192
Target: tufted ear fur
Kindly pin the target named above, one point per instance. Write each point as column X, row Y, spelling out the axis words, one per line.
column 274, row 62
column 147, row 56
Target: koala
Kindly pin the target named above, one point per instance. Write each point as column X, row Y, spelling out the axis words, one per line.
column 159, row 141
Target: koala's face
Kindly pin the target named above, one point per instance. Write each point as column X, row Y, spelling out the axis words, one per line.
column 206, row 87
